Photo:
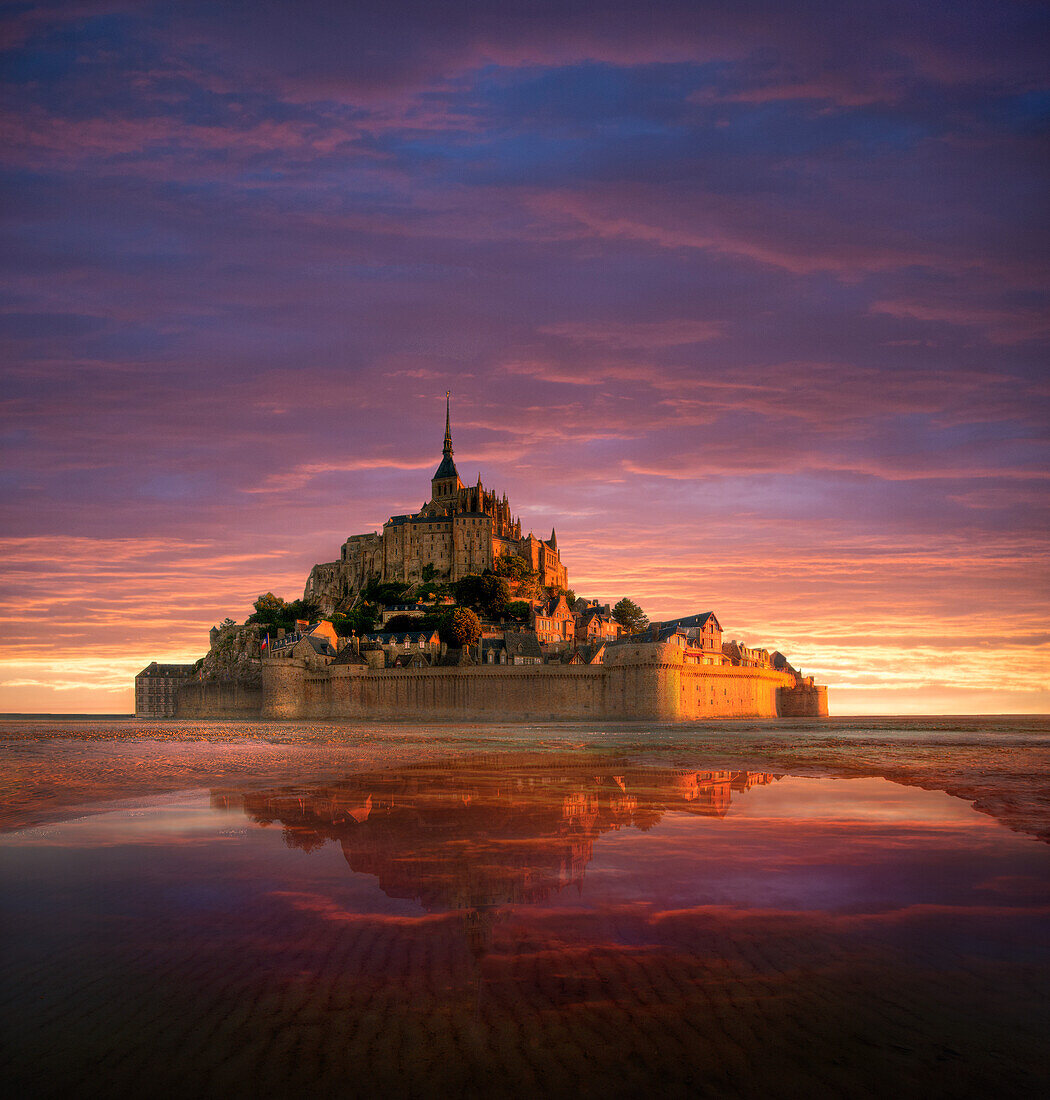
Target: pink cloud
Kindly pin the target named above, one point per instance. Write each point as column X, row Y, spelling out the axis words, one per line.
column 641, row 335
column 1003, row 326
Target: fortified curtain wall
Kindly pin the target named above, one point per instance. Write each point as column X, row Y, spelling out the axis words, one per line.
column 219, row 699
column 650, row 682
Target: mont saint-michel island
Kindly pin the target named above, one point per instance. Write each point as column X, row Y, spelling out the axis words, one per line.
column 453, row 612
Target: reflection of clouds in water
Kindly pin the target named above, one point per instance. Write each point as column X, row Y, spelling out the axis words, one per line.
column 150, row 820
column 1018, row 887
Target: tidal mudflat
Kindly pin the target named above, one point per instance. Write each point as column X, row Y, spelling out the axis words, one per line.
column 845, row 908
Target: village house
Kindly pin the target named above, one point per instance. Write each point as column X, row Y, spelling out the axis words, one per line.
column 413, row 610
column 593, row 654
column 553, row 621
column 745, row 657
column 595, row 623
column 403, row 643
column 320, row 636
column 523, row 648
column 156, row 689
column 314, row 648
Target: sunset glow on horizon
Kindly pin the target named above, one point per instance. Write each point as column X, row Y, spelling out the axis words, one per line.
column 750, row 306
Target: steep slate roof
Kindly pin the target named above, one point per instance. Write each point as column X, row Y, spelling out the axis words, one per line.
column 455, row 657
column 411, row 660
column 446, row 469
column 659, row 632
column 155, row 669
column 349, row 656
column 692, row 620
column 584, row 655
column 667, row 631
column 527, row 641
column 401, row 636
column 548, row 607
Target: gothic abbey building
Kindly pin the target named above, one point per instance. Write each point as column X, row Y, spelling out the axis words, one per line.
column 461, row 529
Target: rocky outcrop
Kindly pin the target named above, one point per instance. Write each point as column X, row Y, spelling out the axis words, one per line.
column 234, row 656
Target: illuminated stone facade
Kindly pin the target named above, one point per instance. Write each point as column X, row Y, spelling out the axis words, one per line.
column 462, row 529
column 651, row 681
column 157, row 687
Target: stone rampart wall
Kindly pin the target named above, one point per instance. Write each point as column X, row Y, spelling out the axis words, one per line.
column 504, row 693
column 284, row 688
column 803, row 702
column 638, row 682
column 218, row 699
column 727, row 691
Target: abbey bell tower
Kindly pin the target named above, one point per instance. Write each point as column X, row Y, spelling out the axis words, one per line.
column 446, row 483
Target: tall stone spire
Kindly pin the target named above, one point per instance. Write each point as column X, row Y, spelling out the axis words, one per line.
column 445, row 482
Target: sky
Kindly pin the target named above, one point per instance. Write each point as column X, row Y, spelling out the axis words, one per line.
column 747, row 300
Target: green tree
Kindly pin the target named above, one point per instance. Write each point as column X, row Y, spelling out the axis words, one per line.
column 518, row 609
column 461, row 627
column 272, row 612
column 557, row 590
column 269, row 609
column 497, row 595
column 513, row 567
column 630, row 616
column 386, row 592
column 518, row 571
column 469, row 591
column 487, row 594
column 527, row 586
column 303, row 609
column 400, row 624
column 361, row 620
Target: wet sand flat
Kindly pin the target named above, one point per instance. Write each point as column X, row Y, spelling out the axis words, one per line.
column 753, row 909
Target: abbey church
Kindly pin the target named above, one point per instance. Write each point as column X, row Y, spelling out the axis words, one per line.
column 460, row 530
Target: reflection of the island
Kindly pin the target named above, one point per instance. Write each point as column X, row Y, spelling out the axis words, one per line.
column 487, row 830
